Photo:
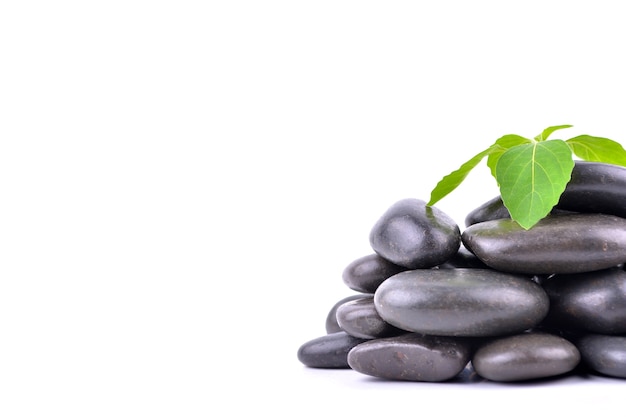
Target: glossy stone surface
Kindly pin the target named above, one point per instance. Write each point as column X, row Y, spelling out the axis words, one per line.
column 559, row 244
column 367, row 273
column 411, row 357
column 594, row 188
column 592, row 302
column 328, row 351
column 461, row 302
column 332, row 326
column 604, row 354
column 525, row 356
column 413, row 235
column 359, row 318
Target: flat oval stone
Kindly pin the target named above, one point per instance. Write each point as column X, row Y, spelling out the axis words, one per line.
column 359, row 318
column 557, row 244
column 461, row 302
column 328, row 351
column 411, row 357
column 525, row 356
column 414, row 235
column 592, row 302
column 367, row 273
column 593, row 188
column 604, row 354
column 332, row 326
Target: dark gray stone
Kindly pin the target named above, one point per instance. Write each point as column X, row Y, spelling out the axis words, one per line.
column 592, row 302
column 461, row 302
column 359, row 318
column 604, row 354
column 525, row 356
column 411, row 357
column 593, row 188
column 367, row 273
column 557, row 244
column 332, row 326
column 328, row 351
column 414, row 235
column 596, row 188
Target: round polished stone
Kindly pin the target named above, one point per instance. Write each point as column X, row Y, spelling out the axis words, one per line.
column 557, row 244
column 590, row 302
column 367, row 273
column 604, row 354
column 461, row 302
column 411, row 357
column 359, row 318
column 525, row 356
column 414, row 235
column 328, row 351
column 332, row 326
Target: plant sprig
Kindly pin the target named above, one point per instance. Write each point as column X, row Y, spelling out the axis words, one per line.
column 533, row 173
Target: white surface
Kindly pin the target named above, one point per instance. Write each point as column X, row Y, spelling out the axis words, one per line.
column 183, row 183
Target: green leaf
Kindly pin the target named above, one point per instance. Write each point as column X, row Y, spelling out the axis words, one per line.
column 455, row 178
column 502, row 144
column 548, row 131
column 532, row 178
column 595, row 149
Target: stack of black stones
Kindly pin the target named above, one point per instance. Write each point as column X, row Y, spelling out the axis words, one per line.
column 495, row 302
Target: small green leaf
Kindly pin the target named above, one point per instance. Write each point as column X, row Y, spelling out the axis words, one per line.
column 502, row 144
column 595, row 149
column 548, row 131
column 532, row 178
column 455, row 178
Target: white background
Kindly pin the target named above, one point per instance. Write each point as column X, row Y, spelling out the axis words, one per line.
column 182, row 184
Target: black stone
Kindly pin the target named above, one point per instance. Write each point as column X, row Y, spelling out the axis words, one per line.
column 414, row 235
column 332, row 326
column 367, row 273
column 525, row 356
column 328, row 351
column 411, row 357
column 461, row 302
column 359, row 318
column 604, row 354
column 557, row 244
column 593, row 188
column 592, row 302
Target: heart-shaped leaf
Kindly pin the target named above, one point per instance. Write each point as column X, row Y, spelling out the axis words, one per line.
column 532, row 178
